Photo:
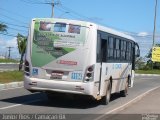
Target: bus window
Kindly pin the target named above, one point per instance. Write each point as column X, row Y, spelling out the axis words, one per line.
column 117, row 49
column 45, row 26
column 123, row 49
column 60, row 27
column 74, row 29
column 104, row 50
column 110, row 47
column 98, row 48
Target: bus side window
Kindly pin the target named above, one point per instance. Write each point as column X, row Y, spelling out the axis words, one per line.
column 104, row 50
column 98, row 48
column 130, row 51
column 102, row 47
column 110, row 48
column 117, row 49
column 122, row 50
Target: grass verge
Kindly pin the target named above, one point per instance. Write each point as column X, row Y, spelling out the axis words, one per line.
column 8, row 61
column 11, row 76
column 148, row 71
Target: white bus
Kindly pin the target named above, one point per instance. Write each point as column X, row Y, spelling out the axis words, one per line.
column 78, row 57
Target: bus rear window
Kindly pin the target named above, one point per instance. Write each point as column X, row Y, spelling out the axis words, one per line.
column 45, row 26
column 74, row 29
column 60, row 27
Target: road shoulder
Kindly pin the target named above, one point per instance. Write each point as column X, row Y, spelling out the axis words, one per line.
column 11, row 85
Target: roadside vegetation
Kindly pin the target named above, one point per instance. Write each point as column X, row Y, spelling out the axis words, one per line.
column 148, row 71
column 144, row 65
column 147, row 67
column 8, row 61
column 11, row 76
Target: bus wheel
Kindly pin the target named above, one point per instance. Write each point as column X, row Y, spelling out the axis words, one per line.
column 106, row 99
column 124, row 92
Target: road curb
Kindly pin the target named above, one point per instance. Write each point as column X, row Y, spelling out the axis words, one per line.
column 8, row 63
column 11, row 85
column 147, row 75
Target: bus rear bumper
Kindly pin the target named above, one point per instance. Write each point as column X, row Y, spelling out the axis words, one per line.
column 34, row 84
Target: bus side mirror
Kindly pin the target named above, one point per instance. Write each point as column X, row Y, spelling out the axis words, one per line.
column 138, row 53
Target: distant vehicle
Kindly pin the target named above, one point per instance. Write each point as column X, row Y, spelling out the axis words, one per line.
column 78, row 57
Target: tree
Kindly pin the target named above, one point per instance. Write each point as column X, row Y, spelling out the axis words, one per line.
column 3, row 27
column 140, row 63
column 21, row 41
column 156, row 65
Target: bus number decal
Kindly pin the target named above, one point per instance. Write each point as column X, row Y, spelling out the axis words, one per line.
column 76, row 76
column 117, row 66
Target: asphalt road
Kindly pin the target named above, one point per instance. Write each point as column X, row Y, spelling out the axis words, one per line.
column 21, row 101
column 11, row 66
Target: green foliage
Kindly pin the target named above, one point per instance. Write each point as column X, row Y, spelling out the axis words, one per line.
column 156, row 65
column 21, row 41
column 148, row 71
column 149, row 55
column 11, row 76
column 140, row 64
column 8, row 61
column 3, row 27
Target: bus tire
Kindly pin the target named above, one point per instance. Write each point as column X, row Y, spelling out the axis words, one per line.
column 124, row 92
column 106, row 99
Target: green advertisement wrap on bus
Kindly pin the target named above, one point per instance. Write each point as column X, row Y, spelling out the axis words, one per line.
column 52, row 39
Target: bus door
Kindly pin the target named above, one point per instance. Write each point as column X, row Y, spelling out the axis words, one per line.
column 103, row 65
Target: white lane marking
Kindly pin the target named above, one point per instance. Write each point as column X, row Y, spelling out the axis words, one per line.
column 146, row 78
column 11, row 88
column 132, row 101
column 16, row 105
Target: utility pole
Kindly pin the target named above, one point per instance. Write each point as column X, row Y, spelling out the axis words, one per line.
column 9, row 52
column 53, row 4
column 154, row 30
column 155, row 17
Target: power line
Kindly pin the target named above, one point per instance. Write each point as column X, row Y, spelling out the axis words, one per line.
column 62, row 10
column 31, row 2
column 17, row 29
column 73, row 14
column 82, row 16
column 6, row 34
column 53, row 5
column 13, row 13
column 76, row 13
column 50, row 3
column 13, row 19
column 14, row 24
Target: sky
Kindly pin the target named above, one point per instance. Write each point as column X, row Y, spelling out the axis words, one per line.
column 134, row 17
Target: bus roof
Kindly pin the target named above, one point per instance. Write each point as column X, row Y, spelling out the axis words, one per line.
column 115, row 32
column 99, row 27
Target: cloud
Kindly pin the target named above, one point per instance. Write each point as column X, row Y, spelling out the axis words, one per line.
column 9, row 43
column 143, row 34
column 12, row 42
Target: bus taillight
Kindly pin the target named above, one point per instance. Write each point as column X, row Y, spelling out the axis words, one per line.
column 89, row 73
column 27, row 69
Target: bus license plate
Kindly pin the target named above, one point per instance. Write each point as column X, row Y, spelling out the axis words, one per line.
column 56, row 75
